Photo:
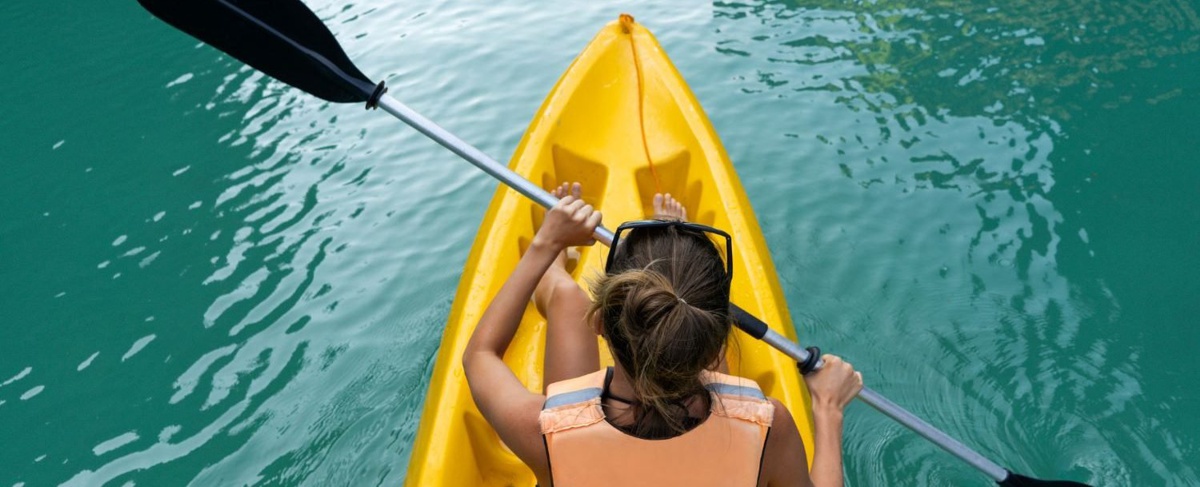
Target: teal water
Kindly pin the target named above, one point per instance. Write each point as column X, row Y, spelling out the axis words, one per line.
column 208, row 278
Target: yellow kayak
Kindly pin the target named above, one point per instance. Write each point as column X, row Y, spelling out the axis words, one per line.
column 623, row 122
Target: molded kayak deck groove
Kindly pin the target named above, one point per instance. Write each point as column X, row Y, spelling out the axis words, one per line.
column 589, row 130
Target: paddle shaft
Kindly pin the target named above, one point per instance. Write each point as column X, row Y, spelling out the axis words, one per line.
column 604, row 235
column 477, row 158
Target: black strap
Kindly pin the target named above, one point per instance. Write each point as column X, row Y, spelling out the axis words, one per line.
column 604, row 394
column 549, row 468
column 763, row 456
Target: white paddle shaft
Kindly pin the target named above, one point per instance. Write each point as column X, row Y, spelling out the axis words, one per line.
column 478, row 158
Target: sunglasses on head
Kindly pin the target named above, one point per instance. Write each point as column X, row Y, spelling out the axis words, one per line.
column 687, row 226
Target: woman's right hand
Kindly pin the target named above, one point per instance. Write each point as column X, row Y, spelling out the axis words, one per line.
column 835, row 385
column 569, row 223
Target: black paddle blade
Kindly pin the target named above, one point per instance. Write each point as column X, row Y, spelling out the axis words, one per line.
column 281, row 38
column 1015, row 480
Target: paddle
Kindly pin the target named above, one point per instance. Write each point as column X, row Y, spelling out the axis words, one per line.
column 286, row 40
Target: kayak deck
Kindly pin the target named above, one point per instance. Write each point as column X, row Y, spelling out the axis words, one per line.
column 590, row 129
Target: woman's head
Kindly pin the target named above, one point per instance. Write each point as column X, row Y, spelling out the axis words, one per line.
column 664, row 310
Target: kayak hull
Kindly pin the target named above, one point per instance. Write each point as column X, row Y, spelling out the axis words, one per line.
column 623, row 122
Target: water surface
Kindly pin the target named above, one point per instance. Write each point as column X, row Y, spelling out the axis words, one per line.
column 207, row 277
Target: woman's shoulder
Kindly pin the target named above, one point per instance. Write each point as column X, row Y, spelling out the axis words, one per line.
column 782, row 417
column 732, row 385
column 588, row 381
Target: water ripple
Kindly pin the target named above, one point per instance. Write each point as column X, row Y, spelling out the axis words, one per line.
column 946, row 123
column 257, row 280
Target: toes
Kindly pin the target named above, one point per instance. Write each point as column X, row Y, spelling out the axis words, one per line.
column 670, row 206
column 666, row 206
column 564, row 189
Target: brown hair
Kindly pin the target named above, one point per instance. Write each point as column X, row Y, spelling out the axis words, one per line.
column 665, row 311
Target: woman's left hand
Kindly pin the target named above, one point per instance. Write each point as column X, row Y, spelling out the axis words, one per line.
column 569, row 223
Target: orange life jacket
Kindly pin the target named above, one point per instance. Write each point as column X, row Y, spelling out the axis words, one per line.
column 725, row 450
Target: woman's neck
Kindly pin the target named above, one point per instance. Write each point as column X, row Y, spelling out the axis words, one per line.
column 621, row 386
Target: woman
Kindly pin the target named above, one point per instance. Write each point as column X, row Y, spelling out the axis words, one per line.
column 661, row 415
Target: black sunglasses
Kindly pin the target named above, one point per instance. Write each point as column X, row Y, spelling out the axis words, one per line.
column 696, row 227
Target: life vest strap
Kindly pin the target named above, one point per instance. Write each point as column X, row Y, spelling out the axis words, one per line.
column 581, row 395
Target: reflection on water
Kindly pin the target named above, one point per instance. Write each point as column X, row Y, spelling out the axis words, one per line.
column 240, row 284
column 947, row 118
column 1024, row 59
column 269, row 327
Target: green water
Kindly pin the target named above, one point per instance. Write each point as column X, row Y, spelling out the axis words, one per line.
column 208, row 278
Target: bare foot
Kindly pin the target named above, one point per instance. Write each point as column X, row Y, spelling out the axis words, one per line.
column 564, row 189
column 669, row 208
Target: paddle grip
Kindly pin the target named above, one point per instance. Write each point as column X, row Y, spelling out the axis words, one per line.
column 373, row 100
column 747, row 322
column 813, row 363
